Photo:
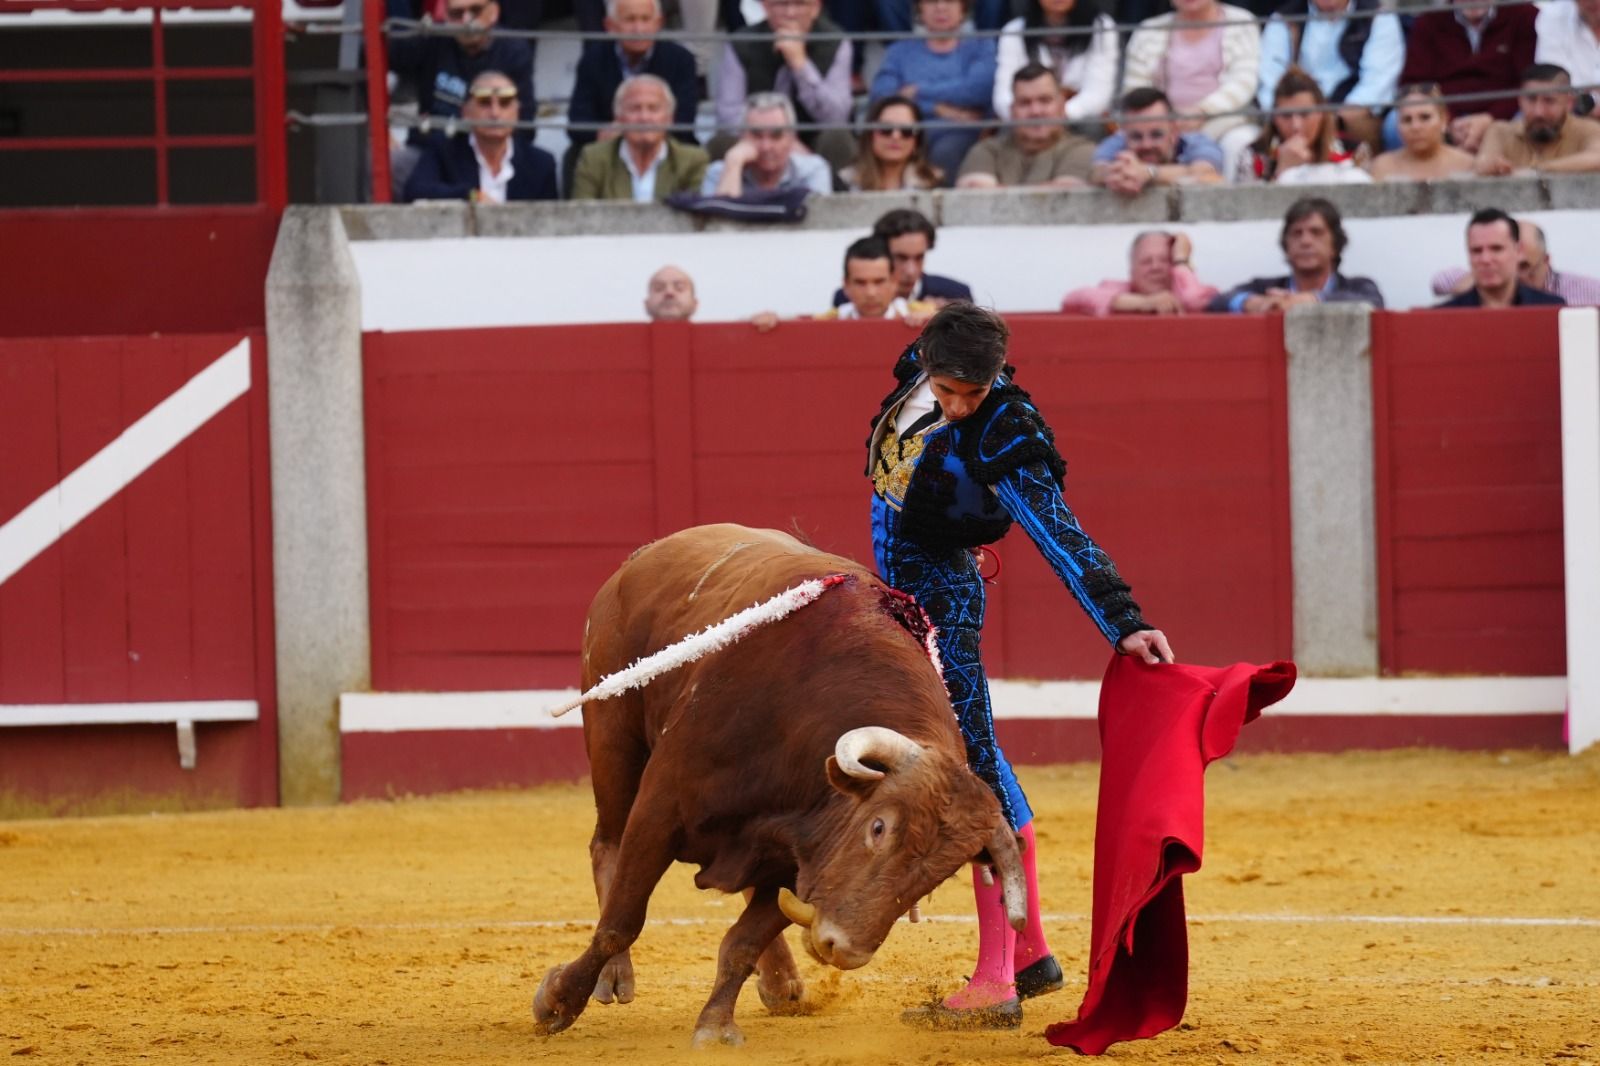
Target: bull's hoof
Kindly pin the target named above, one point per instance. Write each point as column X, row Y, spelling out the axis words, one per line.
column 725, row 1034
column 782, row 993
column 616, row 980
column 548, row 1017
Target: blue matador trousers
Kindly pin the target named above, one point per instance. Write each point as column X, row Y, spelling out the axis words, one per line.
column 949, row 588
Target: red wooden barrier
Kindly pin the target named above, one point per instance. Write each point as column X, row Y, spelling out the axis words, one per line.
column 1468, row 450
column 110, row 271
column 510, row 470
column 163, row 593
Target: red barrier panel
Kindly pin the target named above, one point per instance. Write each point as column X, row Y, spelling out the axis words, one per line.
column 511, row 470
column 162, row 593
column 105, row 271
column 1467, row 420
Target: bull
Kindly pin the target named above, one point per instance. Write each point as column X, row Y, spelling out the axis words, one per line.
column 814, row 766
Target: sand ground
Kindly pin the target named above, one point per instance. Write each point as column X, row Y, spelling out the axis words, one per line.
column 1373, row 908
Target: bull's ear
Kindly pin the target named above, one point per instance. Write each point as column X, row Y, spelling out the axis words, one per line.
column 857, row 788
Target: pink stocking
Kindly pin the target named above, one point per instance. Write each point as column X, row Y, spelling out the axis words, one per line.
column 991, row 980
column 1031, row 944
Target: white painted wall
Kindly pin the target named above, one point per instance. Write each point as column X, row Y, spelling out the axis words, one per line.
column 1580, row 497
column 408, row 285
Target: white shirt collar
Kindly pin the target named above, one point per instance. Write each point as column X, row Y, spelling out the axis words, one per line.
column 491, row 186
column 898, row 308
column 644, row 182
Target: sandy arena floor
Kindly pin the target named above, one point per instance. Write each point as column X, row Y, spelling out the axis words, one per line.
column 1372, row 908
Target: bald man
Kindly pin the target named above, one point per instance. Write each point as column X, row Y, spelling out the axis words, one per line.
column 670, row 296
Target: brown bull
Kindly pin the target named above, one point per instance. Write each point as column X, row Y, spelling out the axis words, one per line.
column 819, row 755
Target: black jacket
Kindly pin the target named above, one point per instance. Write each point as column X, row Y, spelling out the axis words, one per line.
column 449, row 171
column 600, row 73
column 1525, row 296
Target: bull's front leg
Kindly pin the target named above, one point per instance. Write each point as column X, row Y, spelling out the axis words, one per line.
column 641, row 860
column 750, row 936
column 777, row 979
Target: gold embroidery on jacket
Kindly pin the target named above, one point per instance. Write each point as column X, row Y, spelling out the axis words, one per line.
column 897, row 459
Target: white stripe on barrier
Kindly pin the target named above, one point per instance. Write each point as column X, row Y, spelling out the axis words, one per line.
column 1580, row 499
column 112, row 468
column 19, row 714
column 323, row 928
column 401, row 712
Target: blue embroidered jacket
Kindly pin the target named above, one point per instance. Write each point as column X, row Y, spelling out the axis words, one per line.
column 959, row 485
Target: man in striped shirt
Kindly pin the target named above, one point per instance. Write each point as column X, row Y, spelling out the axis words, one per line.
column 1533, row 270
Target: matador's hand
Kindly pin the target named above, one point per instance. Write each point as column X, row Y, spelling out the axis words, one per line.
column 1148, row 644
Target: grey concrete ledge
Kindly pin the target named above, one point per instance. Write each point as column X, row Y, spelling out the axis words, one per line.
column 981, row 207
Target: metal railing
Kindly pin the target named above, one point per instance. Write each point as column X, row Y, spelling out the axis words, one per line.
column 267, row 140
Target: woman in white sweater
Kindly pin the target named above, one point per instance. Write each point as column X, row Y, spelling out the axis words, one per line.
column 1205, row 70
column 1084, row 55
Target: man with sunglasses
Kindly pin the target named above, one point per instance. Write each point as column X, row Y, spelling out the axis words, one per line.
column 488, row 163
column 1149, row 149
column 442, row 68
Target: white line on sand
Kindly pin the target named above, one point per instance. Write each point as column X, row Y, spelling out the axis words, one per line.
column 580, row 923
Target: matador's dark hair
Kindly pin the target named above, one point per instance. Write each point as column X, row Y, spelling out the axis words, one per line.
column 965, row 342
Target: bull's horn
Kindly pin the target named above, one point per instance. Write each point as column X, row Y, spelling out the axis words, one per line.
column 796, row 910
column 878, row 743
column 1013, row 884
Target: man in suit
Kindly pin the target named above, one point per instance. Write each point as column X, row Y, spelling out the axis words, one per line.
column 1493, row 250
column 605, row 65
column 1313, row 241
column 491, row 162
column 910, row 237
column 643, row 164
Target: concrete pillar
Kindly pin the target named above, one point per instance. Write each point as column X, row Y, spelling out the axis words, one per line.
column 1331, row 489
column 319, row 497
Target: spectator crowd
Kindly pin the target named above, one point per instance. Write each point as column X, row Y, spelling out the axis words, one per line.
column 885, row 276
column 995, row 93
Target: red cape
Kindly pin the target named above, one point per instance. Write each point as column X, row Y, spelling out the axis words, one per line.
column 1159, row 727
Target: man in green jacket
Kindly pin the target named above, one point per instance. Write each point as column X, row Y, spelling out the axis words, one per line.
column 639, row 162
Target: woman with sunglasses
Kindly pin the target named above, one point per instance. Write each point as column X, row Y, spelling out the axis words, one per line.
column 890, row 157
column 1423, row 155
column 950, row 77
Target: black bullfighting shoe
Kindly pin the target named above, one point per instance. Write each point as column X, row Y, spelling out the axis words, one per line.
column 1041, row 977
column 1006, row 1015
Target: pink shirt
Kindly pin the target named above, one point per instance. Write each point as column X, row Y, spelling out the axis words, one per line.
column 1192, row 294
column 1191, row 70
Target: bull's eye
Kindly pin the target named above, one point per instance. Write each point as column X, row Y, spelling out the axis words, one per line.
column 878, row 828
